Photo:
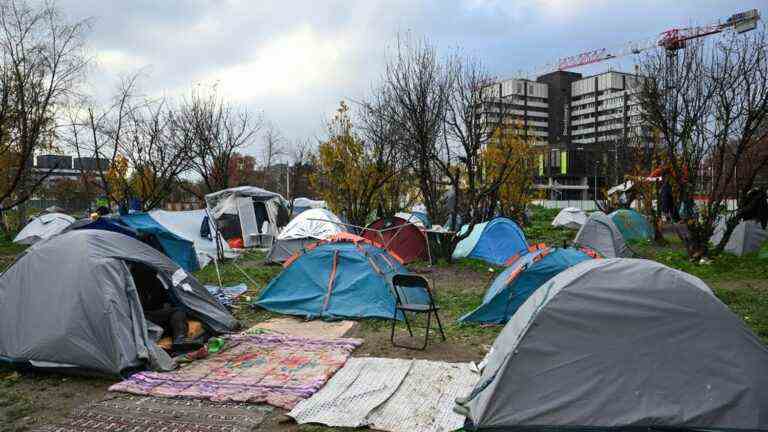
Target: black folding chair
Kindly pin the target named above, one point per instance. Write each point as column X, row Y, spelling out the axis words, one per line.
column 412, row 295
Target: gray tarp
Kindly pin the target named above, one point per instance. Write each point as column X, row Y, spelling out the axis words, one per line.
column 71, row 300
column 618, row 343
column 600, row 234
column 43, row 227
column 281, row 250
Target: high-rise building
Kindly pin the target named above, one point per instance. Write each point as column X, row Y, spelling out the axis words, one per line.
column 585, row 126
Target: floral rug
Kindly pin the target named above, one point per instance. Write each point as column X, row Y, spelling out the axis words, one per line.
column 276, row 369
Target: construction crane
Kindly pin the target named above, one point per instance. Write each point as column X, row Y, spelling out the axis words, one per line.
column 671, row 40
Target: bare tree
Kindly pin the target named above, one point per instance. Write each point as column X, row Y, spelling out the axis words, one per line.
column 709, row 102
column 42, row 65
column 273, row 145
column 97, row 132
column 154, row 155
column 416, row 89
column 385, row 143
column 213, row 130
column 475, row 110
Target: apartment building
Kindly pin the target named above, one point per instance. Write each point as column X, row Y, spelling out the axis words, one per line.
column 519, row 102
column 585, row 126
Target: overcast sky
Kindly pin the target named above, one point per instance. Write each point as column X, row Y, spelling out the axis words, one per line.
column 295, row 60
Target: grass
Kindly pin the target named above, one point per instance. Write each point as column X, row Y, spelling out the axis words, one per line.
column 740, row 282
column 8, row 252
column 234, row 272
column 540, row 230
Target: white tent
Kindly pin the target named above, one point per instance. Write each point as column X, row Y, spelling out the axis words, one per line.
column 570, row 217
column 240, row 204
column 315, row 223
column 43, row 227
column 303, row 204
column 747, row 237
column 187, row 225
column 308, row 227
column 410, row 217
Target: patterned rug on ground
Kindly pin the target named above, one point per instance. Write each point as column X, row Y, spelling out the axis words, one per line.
column 390, row 395
column 315, row 329
column 143, row 413
column 275, row 369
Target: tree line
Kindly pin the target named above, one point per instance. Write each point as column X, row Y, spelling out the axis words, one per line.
column 147, row 148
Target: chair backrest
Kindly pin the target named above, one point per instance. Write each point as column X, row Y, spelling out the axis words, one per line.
column 411, row 289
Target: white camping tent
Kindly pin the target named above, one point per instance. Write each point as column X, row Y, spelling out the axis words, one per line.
column 747, row 237
column 187, row 225
column 237, row 213
column 411, row 218
column 308, row 227
column 303, row 204
column 570, row 217
column 43, row 227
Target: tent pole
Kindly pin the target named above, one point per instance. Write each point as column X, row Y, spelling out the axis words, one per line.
column 218, row 274
column 250, row 279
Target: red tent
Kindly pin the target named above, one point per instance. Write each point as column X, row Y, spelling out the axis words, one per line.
column 400, row 237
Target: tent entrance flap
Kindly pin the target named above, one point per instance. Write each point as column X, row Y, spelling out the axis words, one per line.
column 248, row 224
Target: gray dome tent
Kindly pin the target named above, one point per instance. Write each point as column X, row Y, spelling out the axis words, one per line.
column 625, row 344
column 600, row 234
column 747, row 237
column 71, row 302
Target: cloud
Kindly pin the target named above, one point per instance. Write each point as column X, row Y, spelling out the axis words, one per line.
column 287, row 66
column 294, row 60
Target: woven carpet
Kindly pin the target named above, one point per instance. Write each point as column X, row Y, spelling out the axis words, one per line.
column 141, row 413
column 390, row 395
column 275, row 369
column 315, row 329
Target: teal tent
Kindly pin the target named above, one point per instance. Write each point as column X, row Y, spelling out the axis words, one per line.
column 516, row 283
column 348, row 277
column 632, row 225
column 180, row 250
column 495, row 241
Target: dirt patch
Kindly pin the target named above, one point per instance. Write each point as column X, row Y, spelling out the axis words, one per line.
column 28, row 399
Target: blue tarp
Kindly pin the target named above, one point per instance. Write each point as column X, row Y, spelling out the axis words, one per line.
column 633, row 225
column 516, row 283
column 139, row 225
column 359, row 288
column 495, row 242
column 180, row 250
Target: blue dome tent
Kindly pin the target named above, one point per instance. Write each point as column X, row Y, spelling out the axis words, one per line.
column 632, row 225
column 516, row 283
column 345, row 276
column 496, row 242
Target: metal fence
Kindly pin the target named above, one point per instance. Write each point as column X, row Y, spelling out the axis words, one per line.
column 586, row 205
column 589, row 205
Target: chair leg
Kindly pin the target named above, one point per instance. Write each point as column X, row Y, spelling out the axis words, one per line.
column 392, row 334
column 440, row 325
column 426, row 335
column 407, row 324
